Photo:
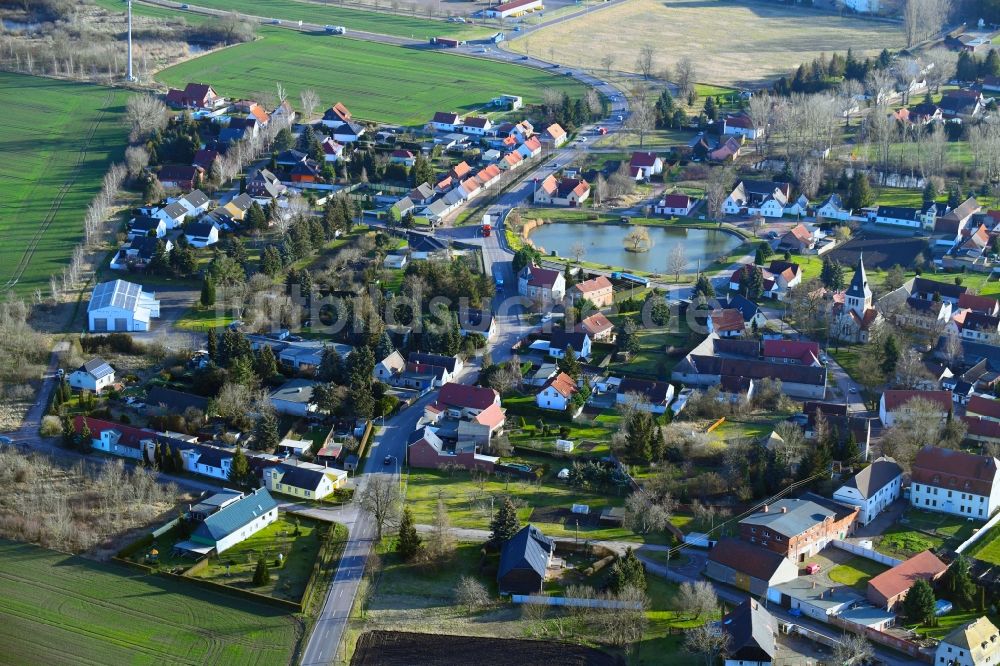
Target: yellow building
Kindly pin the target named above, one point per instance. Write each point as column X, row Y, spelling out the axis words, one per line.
column 304, row 480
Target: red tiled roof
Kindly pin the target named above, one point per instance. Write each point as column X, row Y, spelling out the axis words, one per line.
column 800, row 232
column 982, row 428
column 897, row 580
column 492, row 417
column 746, row 558
column 445, row 118
column 402, row 153
column 465, row 396
column 130, row 436
column 896, row 399
column 676, row 201
column 802, row 350
column 460, row 170
column 341, row 112
column 643, row 159
column 958, row 470
column 542, row 277
column 727, row 320
column 555, row 131
column 983, row 406
column 978, row 303
column 476, row 121
column 595, row 324
column 258, row 112
column 593, row 284
column 533, row 144
column 470, row 185
column 740, row 120
column 563, row 384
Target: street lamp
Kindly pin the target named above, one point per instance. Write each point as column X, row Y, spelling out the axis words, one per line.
column 399, row 477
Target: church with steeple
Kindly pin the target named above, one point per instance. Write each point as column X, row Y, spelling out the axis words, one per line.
column 854, row 318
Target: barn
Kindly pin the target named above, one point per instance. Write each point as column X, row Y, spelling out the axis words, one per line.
column 121, row 306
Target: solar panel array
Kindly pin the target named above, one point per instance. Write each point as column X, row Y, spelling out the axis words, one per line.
column 119, row 294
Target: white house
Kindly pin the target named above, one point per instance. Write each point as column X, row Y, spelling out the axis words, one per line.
column 144, row 227
column 649, row 396
column 445, row 121
column 752, row 197
column 833, row 209
column 645, row 165
column 899, row 216
column 955, row 482
column 207, row 461
column 541, row 284
column 294, row 397
column 173, row 214
column 892, row 404
column 389, row 368
column 578, row 340
column 872, row 489
column 121, row 306
column 194, row 202
column 95, row 375
column 741, row 125
column 201, row 234
column 557, row 393
column 771, row 208
column 974, row 644
column 675, row 204
column 234, row 523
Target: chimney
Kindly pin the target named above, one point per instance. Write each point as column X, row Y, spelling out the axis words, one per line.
column 784, row 509
column 765, row 508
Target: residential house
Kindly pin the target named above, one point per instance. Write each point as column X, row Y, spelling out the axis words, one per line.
column 294, row 397
column 799, row 528
column 981, row 304
column 113, row 438
column 554, row 136
column 598, row 290
column 736, row 390
column 751, row 197
column 554, row 191
column 893, row 404
column 333, row 151
column 888, row 589
column 199, row 96
column 445, row 121
column 453, row 365
column 476, row 125
column 959, row 217
column 798, row 239
column 974, row 644
column 121, row 306
column 645, row 395
column 560, row 341
column 389, row 368
column 726, row 323
column 787, row 275
column 466, row 414
column 95, row 375
column 174, row 401
column 872, row 489
column 799, row 352
column 336, row 116
column 557, row 393
column 425, row 449
column 263, row 186
column 833, row 208
column 726, row 151
column 978, row 327
column 304, row 480
column 404, row 157
column 511, row 161
column 215, row 502
column 476, row 321
column 675, row 205
column 984, row 408
column 955, row 482
column 234, row 523
column 541, row 284
column 525, row 557
column 201, row 234
column 752, row 633
column 532, row 147
column 741, row 125
column 752, row 314
column 348, row 132
column 645, row 165
column 143, row 226
column 899, row 216
column 180, row 176
column 597, row 327
column 961, row 104
column 924, row 114
column 306, row 171
column 749, row 567
column 854, row 318
column 930, row 290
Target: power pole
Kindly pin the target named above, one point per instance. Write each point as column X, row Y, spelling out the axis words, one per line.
column 129, row 76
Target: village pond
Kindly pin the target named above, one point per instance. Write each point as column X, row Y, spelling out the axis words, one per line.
column 605, row 244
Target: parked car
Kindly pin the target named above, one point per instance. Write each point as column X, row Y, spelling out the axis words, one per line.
column 795, row 612
column 387, row 460
column 5, row 440
column 60, row 373
column 813, row 568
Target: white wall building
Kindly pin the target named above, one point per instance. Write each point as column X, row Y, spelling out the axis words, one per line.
column 975, row 644
column 121, row 306
column 955, row 482
column 872, row 489
column 95, row 375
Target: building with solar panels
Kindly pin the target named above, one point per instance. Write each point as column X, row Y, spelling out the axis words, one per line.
column 121, row 306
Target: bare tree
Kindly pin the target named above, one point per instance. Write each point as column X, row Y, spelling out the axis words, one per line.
column 916, row 423
column 641, row 119
column 761, row 112
column 852, row 649
column 136, row 160
column 644, row 513
column 607, row 62
column 923, row 19
column 578, row 250
column 684, row 76
column 940, row 66
column 644, row 61
column 719, row 186
column 593, row 101
column 638, row 240
column 697, row 599
column 623, row 626
column 471, row 593
column 310, row 100
column 441, row 543
column 708, row 642
column 676, row 261
column 145, row 114
column 380, row 498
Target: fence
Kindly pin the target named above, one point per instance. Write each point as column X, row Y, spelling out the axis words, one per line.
column 574, row 603
column 876, row 636
column 866, row 553
column 979, row 534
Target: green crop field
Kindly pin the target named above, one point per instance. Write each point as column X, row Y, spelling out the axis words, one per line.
column 352, row 19
column 57, row 139
column 58, row 609
column 376, row 81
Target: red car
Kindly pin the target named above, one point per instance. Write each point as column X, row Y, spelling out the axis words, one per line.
column 812, row 568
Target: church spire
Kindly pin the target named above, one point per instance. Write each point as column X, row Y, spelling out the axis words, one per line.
column 859, row 288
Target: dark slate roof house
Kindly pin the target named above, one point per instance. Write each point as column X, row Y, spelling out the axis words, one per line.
column 523, row 562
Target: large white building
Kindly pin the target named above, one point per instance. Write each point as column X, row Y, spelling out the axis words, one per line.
column 975, row 644
column 121, row 306
column 956, row 482
column 872, row 489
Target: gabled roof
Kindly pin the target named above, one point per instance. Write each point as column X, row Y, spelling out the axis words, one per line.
column 983, row 406
column 676, row 201
column 655, row 393
column 177, row 401
column 426, row 435
column 901, row 577
column 306, row 478
column 975, row 637
column 528, row 549
column 790, row 517
column 540, row 277
column 727, row 320
column 983, row 304
column 896, row 399
column 97, row 368
column 204, row 157
column 199, row 229
column 925, row 286
column 562, row 384
column 946, row 468
column 595, row 324
column 118, row 294
column 466, row 396
column 236, row 515
column 800, row 350
column 564, row 339
column 875, row 477
column 448, row 362
column 746, row 558
column 593, row 284
column 643, row 159
column 555, row 131
column 445, row 118
column 477, row 121
column 751, row 632
column 338, row 112
column 800, row 233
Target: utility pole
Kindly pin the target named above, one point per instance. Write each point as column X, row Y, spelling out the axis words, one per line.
column 129, row 76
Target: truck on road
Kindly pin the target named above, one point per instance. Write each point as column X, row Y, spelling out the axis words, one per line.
column 335, row 30
column 629, row 277
column 447, row 42
column 487, row 226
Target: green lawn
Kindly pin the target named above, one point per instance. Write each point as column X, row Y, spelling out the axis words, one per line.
column 594, row 430
column 376, row 81
column 987, row 549
column 236, row 565
column 203, row 319
column 953, row 620
column 57, row 142
column 919, row 530
column 353, row 19
column 856, row 572
column 57, row 609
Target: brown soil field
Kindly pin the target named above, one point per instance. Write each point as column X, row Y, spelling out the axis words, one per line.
column 400, row 648
column 730, row 42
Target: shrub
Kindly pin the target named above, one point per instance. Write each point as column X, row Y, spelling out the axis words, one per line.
column 51, row 426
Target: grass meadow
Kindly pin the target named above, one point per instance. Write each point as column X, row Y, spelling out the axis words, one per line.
column 57, row 141
column 57, row 609
column 377, row 82
column 716, row 35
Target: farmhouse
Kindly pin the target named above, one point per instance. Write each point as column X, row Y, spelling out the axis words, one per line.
column 597, row 290
column 752, row 632
column 557, row 393
column 541, row 284
column 562, row 192
column 749, row 567
column 305, row 480
column 645, row 165
column 975, row 644
column 426, row 449
column 233, row 524
column 121, row 306
column 893, row 404
column 796, row 352
column 95, row 375
column 524, row 562
column 872, row 489
column 195, row 96
column 889, row 588
column 955, row 482
column 675, row 204
column 751, row 197
column 726, row 323
column 799, row 528
column 899, row 216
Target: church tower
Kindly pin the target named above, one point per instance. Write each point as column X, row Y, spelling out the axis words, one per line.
column 858, row 298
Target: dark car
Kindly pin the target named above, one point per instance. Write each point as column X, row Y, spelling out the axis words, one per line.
column 387, row 460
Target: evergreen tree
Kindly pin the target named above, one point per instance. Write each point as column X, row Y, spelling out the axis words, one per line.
column 266, row 432
column 270, row 261
column 704, row 286
column 641, row 434
column 239, row 470
column 569, row 363
column 860, row 194
column 918, row 605
column 627, row 572
column 208, row 291
column 763, row 253
column 961, row 584
column 505, row 523
column 213, row 344
column 890, row 355
column 331, row 367
column 659, row 311
column 84, row 439
column 408, row 543
column 166, row 459
column 261, row 574
column 67, row 430
column 266, row 365
column 753, row 282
